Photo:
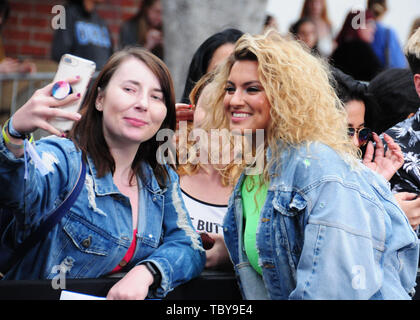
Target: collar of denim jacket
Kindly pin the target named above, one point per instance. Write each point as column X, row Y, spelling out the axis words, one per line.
column 105, row 185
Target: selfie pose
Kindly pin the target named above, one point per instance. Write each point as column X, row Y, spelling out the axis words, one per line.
column 317, row 224
column 129, row 215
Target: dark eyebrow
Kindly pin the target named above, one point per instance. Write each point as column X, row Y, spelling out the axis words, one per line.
column 138, row 84
column 246, row 83
column 133, row 82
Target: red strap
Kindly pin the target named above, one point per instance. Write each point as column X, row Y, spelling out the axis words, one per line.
column 128, row 255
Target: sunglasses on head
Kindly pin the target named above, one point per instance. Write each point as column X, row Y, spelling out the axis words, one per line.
column 363, row 135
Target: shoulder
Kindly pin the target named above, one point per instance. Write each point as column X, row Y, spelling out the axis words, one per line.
column 314, row 153
column 380, row 29
column 408, row 126
column 60, row 149
column 54, row 142
column 316, row 162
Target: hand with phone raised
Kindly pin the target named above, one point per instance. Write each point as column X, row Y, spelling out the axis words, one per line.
column 42, row 107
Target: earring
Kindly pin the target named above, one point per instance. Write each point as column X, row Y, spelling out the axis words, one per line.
column 98, row 107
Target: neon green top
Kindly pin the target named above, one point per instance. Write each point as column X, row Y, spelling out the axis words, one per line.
column 253, row 198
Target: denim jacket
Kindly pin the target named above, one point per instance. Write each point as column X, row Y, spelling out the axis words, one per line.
column 326, row 231
column 95, row 234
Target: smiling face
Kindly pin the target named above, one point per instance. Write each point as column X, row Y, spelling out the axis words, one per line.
column 133, row 104
column 246, row 104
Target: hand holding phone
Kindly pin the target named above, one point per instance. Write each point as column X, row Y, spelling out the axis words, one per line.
column 34, row 114
column 72, row 66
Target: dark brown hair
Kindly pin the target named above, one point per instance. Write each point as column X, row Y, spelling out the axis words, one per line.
column 378, row 7
column 88, row 135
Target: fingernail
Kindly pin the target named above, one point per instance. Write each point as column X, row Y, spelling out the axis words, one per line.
column 78, row 95
column 77, row 77
column 63, row 135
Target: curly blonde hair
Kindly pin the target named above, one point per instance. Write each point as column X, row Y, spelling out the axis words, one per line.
column 190, row 155
column 304, row 107
column 191, row 167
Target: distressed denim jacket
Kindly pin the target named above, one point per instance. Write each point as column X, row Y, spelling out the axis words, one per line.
column 94, row 236
column 326, row 231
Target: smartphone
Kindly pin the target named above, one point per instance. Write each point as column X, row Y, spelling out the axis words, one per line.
column 72, row 66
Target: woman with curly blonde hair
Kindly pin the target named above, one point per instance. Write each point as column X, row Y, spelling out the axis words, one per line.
column 316, row 224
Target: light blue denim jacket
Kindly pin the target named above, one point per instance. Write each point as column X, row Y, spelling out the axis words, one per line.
column 94, row 236
column 325, row 232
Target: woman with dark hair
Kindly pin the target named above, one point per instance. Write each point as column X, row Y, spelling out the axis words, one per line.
column 130, row 215
column 349, row 89
column 363, row 120
column 354, row 55
column 305, row 30
column 145, row 28
column 317, row 11
column 209, row 54
column 363, row 115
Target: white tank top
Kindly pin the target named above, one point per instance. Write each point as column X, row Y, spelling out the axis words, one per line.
column 205, row 217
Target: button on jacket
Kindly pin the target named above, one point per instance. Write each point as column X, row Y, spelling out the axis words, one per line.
column 94, row 236
column 326, row 231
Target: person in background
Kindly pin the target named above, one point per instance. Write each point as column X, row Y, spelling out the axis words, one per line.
column 145, row 28
column 385, row 44
column 208, row 55
column 318, row 12
column 406, row 132
column 7, row 64
column 129, row 216
column 86, row 34
column 394, row 91
column 315, row 216
column 270, row 23
column 354, row 54
column 362, row 114
column 361, row 108
column 205, row 191
column 305, row 30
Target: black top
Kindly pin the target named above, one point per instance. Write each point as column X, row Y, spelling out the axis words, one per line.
column 85, row 35
column 356, row 58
